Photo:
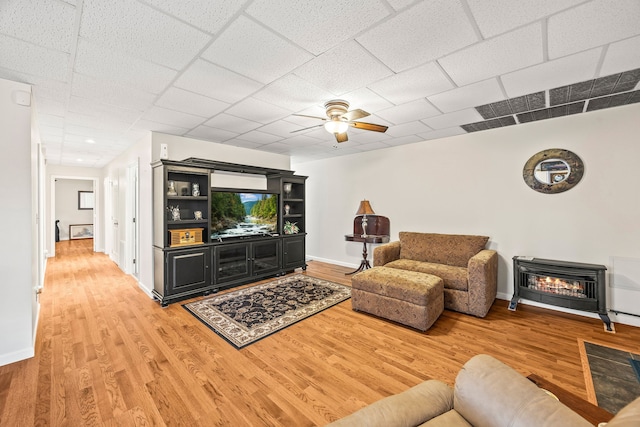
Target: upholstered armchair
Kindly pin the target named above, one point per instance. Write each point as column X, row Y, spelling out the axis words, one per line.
column 469, row 270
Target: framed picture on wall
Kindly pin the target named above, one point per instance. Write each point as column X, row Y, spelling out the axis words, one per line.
column 85, row 200
column 80, row 231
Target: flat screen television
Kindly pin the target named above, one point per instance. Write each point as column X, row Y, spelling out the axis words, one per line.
column 243, row 214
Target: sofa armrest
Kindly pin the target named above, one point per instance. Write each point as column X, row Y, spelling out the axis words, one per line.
column 489, row 393
column 386, row 253
column 629, row 416
column 409, row 408
column 483, row 281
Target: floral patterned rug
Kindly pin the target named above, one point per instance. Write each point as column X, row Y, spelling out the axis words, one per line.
column 247, row 315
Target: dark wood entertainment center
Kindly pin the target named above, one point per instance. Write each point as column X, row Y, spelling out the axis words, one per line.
column 188, row 261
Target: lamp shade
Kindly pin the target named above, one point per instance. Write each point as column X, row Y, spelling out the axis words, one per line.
column 365, row 208
column 336, row 126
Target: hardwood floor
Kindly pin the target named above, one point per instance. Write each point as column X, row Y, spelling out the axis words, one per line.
column 107, row 355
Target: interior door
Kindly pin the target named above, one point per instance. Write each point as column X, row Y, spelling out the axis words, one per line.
column 115, row 228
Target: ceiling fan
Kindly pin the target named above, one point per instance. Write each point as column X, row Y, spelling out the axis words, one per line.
column 339, row 119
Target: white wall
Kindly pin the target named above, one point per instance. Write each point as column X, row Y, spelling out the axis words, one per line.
column 17, row 286
column 181, row 148
column 66, row 209
column 472, row 184
column 115, row 172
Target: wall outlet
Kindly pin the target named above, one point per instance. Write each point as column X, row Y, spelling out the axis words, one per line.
column 164, row 151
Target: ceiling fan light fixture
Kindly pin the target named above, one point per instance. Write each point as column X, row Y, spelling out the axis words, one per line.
column 336, row 126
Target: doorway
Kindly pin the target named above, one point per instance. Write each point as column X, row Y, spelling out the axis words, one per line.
column 74, row 210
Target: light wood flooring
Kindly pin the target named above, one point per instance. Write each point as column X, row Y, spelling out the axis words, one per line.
column 108, row 355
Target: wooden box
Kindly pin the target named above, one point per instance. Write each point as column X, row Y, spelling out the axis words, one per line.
column 186, row 236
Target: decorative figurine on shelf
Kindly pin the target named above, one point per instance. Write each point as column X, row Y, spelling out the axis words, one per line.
column 197, row 214
column 286, row 187
column 175, row 213
column 195, row 189
column 171, row 191
column 287, row 209
column 291, row 228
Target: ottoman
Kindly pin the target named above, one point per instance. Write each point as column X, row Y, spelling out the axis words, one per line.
column 408, row 297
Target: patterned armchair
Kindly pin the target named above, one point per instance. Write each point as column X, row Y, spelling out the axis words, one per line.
column 468, row 270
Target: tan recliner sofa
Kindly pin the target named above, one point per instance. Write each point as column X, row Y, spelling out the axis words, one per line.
column 468, row 270
column 487, row 393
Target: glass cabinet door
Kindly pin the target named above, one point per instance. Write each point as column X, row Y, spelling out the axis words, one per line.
column 232, row 262
column 266, row 256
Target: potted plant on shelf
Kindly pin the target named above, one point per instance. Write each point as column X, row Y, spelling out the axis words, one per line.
column 291, row 228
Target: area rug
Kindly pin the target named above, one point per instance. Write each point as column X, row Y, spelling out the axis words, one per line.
column 247, row 315
column 610, row 374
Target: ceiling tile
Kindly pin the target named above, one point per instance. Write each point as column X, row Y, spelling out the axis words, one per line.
column 212, row 134
column 281, row 128
column 142, row 32
column 258, row 111
column 111, row 93
column 204, row 14
column 51, row 24
column 409, row 85
column 368, row 137
column 116, row 67
column 618, row 59
column 461, row 117
column 172, row 117
column 232, row 123
column 244, row 144
column 103, row 112
column 44, row 88
column 28, row 58
column 499, row 16
column 513, row 51
column 365, row 99
column 51, row 131
column 261, row 137
column 251, row 50
column 592, row 24
column 343, row 69
column 411, row 111
column 275, row 147
column 216, row 82
column 319, row 25
column 49, row 120
column 293, row 93
column 468, row 96
column 189, row 102
column 401, row 42
column 400, row 4
column 149, row 125
column 490, row 124
column 405, row 129
column 442, row 133
column 299, row 140
column 570, row 69
column 50, row 106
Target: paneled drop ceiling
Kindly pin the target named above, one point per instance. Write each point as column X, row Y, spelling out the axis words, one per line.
column 106, row 72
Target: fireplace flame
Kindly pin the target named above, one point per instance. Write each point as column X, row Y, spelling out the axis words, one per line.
column 555, row 285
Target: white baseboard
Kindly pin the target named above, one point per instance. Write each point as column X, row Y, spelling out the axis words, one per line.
column 145, row 289
column 331, row 261
column 16, row 356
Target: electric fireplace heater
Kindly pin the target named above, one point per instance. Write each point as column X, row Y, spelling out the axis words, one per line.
column 566, row 284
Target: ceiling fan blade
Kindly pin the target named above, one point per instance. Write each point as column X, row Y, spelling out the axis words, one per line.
column 369, row 126
column 355, row 114
column 310, row 127
column 341, row 137
column 311, row 117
